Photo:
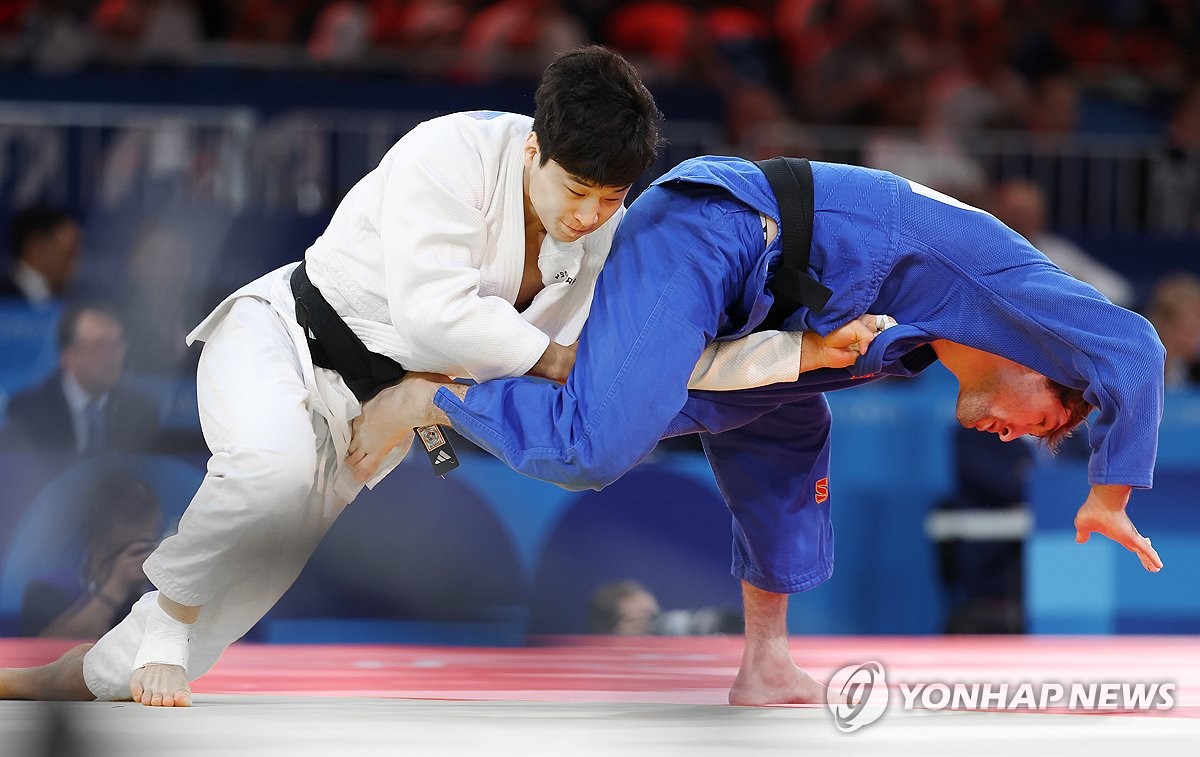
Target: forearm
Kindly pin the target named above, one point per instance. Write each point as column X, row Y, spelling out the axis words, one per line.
column 555, row 363
column 434, row 415
column 585, row 434
column 760, row 359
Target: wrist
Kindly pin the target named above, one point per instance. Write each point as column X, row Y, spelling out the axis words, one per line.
column 810, row 351
column 434, row 415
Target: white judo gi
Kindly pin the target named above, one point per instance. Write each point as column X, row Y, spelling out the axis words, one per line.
column 423, row 259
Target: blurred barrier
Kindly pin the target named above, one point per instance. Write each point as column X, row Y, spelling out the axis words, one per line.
column 305, row 157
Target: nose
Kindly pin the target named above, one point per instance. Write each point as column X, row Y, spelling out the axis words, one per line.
column 587, row 212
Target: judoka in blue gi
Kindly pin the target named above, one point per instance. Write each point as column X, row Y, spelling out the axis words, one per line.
column 1033, row 349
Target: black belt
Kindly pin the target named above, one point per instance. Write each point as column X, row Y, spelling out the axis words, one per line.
column 334, row 346
column 791, row 182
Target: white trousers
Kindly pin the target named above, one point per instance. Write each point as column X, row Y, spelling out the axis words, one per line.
column 261, row 509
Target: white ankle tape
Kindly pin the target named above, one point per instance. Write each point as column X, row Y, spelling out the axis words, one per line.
column 165, row 641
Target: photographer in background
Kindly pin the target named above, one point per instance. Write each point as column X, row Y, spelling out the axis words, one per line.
column 121, row 524
column 626, row 608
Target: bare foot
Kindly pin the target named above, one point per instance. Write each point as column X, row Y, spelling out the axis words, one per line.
column 61, row 680
column 769, row 676
column 157, row 685
column 796, row 687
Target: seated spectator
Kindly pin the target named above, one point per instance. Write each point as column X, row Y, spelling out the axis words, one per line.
column 151, row 31
column 84, row 408
column 659, row 36
column 56, row 36
column 626, row 608
column 622, row 608
column 121, row 524
column 516, row 38
column 1021, row 205
column 342, row 33
column 45, row 245
column 1174, row 309
column 1173, row 201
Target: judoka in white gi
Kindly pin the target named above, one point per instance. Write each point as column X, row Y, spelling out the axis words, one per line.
column 471, row 250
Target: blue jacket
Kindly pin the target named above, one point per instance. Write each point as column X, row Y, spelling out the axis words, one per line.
column 689, row 266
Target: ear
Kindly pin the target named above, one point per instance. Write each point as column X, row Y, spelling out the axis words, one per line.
column 531, row 148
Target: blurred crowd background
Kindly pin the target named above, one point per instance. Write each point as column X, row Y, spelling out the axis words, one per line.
column 156, row 154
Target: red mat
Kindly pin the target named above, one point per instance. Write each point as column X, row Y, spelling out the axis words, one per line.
column 694, row 670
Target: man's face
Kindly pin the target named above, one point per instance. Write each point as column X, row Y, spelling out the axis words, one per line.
column 96, row 356
column 635, row 614
column 57, row 253
column 1010, row 401
column 567, row 207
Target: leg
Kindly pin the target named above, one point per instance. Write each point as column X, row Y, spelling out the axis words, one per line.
column 773, row 472
column 768, row 675
column 61, row 680
column 252, row 525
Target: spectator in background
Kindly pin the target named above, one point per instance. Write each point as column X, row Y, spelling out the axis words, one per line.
column 627, row 608
column 865, row 45
column 912, row 144
column 83, row 408
column 271, row 22
column 121, row 524
column 658, row 35
column 57, row 37
column 342, row 33
column 517, row 38
column 427, row 33
column 45, row 244
column 622, row 608
column 1021, row 205
column 1053, row 108
column 154, row 32
column 1174, row 309
column 1173, row 200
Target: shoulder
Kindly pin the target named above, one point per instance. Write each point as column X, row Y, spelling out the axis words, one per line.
column 480, row 131
column 38, row 396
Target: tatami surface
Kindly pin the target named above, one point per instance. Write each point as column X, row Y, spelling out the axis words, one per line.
column 586, row 696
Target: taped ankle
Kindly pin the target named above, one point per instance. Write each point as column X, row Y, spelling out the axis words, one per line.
column 165, row 641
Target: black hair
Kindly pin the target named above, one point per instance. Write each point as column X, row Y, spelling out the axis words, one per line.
column 39, row 221
column 113, row 498
column 595, row 118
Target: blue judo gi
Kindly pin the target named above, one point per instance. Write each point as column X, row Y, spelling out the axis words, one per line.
column 689, row 265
